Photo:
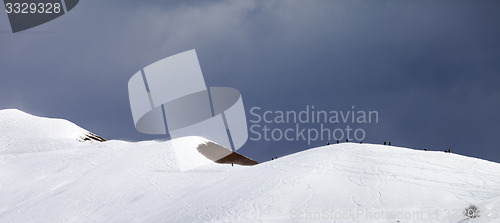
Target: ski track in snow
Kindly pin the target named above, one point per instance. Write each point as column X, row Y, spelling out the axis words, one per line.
column 51, row 175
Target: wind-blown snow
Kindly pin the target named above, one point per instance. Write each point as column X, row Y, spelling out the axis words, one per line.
column 46, row 175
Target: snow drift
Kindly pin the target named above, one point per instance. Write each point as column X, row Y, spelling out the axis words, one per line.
column 48, row 174
column 21, row 133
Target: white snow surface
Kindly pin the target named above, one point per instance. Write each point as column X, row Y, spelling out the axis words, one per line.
column 48, row 175
column 24, row 133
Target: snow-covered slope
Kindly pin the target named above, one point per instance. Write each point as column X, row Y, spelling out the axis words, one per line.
column 21, row 133
column 117, row 181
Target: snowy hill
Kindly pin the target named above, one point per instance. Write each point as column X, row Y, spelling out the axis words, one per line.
column 48, row 174
column 21, row 132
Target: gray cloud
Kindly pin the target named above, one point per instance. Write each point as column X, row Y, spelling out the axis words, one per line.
column 430, row 68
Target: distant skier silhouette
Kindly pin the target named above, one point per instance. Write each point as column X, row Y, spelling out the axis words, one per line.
column 389, row 143
column 385, row 143
column 327, row 143
column 346, row 140
column 337, row 141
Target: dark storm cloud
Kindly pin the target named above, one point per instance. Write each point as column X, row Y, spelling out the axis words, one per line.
column 429, row 68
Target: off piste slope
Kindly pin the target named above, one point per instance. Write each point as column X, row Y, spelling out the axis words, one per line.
column 21, row 132
column 151, row 181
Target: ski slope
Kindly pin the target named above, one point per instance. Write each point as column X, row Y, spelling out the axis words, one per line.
column 48, row 174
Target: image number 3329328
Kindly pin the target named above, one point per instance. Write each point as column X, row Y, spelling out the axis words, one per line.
column 32, row 7
column 26, row 14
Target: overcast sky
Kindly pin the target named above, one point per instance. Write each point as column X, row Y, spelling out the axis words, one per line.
column 430, row 68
